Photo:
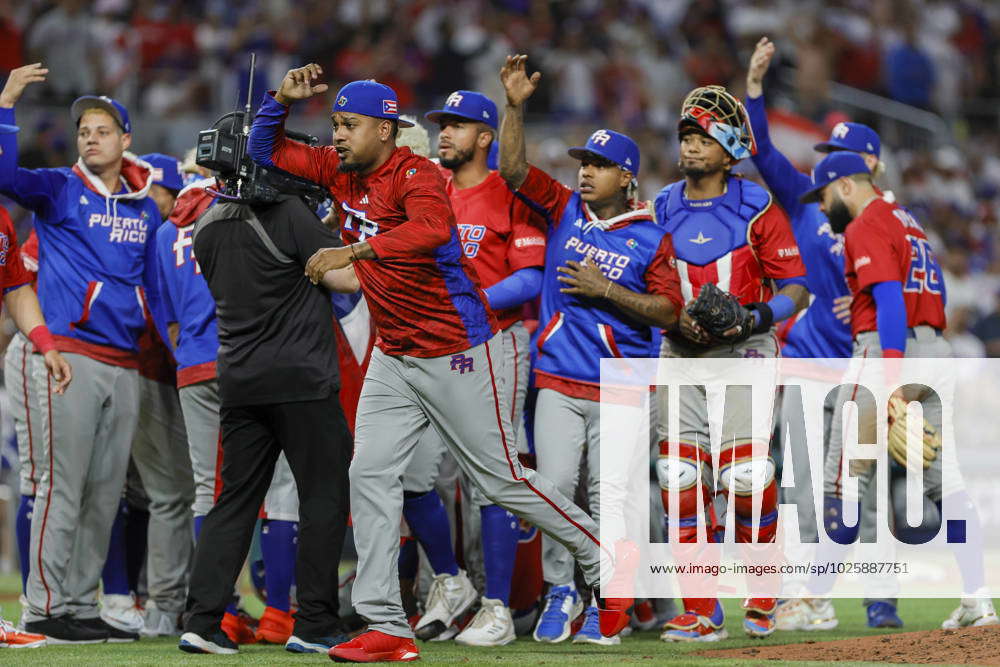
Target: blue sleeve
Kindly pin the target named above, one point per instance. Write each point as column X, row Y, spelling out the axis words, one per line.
column 151, row 278
column 515, row 289
column 785, row 181
column 891, row 314
column 268, row 125
column 163, row 256
column 34, row 189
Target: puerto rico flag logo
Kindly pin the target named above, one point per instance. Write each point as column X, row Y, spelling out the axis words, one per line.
column 389, row 106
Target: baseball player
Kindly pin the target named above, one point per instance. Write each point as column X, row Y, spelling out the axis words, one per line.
column 16, row 277
column 189, row 312
column 506, row 248
column 729, row 235
column 94, row 223
column 24, row 412
column 610, row 276
column 821, row 330
column 160, row 451
column 438, row 361
column 897, row 311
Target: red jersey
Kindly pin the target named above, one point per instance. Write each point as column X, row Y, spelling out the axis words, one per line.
column 423, row 293
column 885, row 242
column 13, row 273
column 499, row 233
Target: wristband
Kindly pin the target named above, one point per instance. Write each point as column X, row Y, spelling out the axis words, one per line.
column 354, row 253
column 765, row 316
column 607, row 290
column 42, row 339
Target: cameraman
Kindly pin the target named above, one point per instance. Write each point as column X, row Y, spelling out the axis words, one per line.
column 278, row 390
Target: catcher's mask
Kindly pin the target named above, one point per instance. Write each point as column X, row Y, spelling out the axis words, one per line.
column 712, row 110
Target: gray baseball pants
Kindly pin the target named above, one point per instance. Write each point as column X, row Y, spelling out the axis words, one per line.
column 160, row 452
column 461, row 396
column 87, row 434
column 19, row 379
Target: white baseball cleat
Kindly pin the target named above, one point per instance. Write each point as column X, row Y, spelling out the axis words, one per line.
column 972, row 612
column 806, row 614
column 450, row 596
column 119, row 611
column 491, row 626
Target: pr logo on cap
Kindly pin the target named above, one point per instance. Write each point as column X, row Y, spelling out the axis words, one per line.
column 454, row 100
column 840, row 130
column 389, row 106
column 600, row 137
column 341, row 101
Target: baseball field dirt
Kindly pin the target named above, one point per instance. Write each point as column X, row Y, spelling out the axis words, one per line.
column 967, row 646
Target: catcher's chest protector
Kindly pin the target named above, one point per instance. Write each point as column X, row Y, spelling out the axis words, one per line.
column 711, row 238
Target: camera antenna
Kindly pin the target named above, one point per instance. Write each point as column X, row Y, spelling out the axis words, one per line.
column 246, row 111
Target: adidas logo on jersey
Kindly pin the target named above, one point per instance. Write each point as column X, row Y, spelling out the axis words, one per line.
column 83, row 200
column 364, row 200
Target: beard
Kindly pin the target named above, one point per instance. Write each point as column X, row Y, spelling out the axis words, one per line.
column 839, row 216
column 460, row 158
column 698, row 172
column 348, row 167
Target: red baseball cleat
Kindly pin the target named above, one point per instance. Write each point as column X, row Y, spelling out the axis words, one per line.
column 11, row 637
column 237, row 629
column 275, row 626
column 614, row 613
column 375, row 646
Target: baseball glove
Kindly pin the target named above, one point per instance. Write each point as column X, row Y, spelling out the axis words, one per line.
column 717, row 312
column 899, row 425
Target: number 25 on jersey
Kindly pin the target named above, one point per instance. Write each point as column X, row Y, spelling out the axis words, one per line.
column 925, row 273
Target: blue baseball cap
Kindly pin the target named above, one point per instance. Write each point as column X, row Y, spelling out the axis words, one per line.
column 613, row 146
column 467, row 104
column 166, row 170
column 369, row 98
column 853, row 137
column 833, row 166
column 116, row 110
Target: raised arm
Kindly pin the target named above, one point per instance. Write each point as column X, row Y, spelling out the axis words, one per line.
column 780, row 175
column 267, row 144
column 34, row 189
column 519, row 87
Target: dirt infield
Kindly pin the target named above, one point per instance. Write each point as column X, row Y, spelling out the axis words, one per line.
column 968, row 646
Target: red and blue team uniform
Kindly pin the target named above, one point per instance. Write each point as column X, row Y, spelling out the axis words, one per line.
column 740, row 241
column 886, row 243
column 576, row 332
column 185, row 294
column 815, row 331
column 13, row 273
column 499, row 233
column 423, row 293
column 99, row 253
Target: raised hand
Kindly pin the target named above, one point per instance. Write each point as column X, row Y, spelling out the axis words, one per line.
column 759, row 62
column 299, row 84
column 18, row 80
column 516, row 82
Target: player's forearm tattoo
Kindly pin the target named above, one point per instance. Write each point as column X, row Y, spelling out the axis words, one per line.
column 652, row 309
column 513, row 159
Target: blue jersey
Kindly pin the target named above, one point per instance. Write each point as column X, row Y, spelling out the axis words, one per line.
column 186, row 297
column 576, row 332
column 816, row 332
column 96, row 248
